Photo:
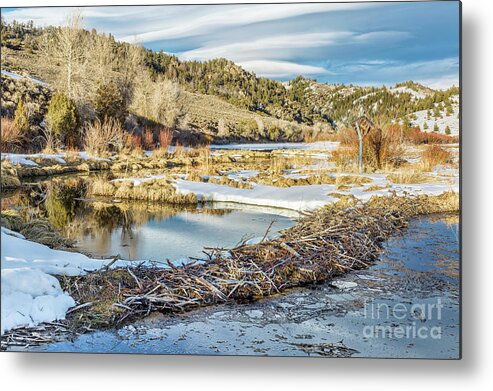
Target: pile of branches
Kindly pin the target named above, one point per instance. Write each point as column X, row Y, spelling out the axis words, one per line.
column 329, row 242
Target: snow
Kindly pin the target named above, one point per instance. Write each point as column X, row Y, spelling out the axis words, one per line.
column 406, row 90
column 452, row 121
column 30, row 292
column 310, row 197
column 17, row 76
column 28, row 159
column 319, row 145
column 241, row 175
column 294, row 175
column 343, row 284
column 296, row 197
column 139, row 181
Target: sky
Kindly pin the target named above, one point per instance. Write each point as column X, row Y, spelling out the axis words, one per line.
column 359, row 43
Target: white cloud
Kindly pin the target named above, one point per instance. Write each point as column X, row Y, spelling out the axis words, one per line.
column 383, row 36
column 266, row 47
column 154, row 23
column 217, row 18
column 441, row 83
column 282, row 69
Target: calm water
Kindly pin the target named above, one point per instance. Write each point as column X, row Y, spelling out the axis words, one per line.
column 146, row 231
column 157, row 234
column 414, row 286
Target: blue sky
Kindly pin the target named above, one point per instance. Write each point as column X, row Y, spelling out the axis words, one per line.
column 360, row 43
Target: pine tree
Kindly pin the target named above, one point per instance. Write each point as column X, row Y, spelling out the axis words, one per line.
column 425, row 126
column 436, row 128
column 447, row 130
column 61, row 117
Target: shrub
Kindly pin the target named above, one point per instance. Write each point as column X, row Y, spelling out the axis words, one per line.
column 11, row 137
column 21, row 120
column 415, row 136
column 103, row 137
column 61, row 118
column 148, row 139
column 109, row 102
column 434, row 155
column 133, row 141
column 380, row 147
column 165, row 138
column 273, row 132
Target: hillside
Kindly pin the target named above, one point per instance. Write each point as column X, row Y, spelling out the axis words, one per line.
column 220, row 94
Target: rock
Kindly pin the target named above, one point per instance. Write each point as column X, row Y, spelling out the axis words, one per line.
column 343, row 284
column 256, row 314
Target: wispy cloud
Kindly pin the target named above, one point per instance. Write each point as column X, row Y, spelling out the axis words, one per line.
column 335, row 42
column 282, row 69
column 266, row 47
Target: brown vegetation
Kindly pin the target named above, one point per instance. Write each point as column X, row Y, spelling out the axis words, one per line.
column 12, row 137
column 101, row 137
column 433, row 156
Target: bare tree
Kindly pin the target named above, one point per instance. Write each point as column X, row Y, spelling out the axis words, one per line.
column 160, row 101
column 66, row 46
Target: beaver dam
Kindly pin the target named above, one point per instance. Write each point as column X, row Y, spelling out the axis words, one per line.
column 323, row 244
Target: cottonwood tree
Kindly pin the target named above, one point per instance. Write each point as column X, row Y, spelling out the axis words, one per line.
column 159, row 101
column 66, row 46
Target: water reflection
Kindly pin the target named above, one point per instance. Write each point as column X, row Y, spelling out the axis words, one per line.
column 142, row 230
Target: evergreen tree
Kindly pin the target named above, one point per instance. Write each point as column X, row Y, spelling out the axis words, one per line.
column 109, row 102
column 61, row 117
column 447, row 130
column 436, row 128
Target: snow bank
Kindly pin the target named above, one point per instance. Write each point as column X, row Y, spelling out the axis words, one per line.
column 30, row 297
column 296, row 197
column 305, row 198
column 27, row 159
column 319, row 145
column 30, row 293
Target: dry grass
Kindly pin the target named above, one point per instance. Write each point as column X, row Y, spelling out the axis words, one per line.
column 36, row 229
column 410, row 177
column 9, row 177
column 157, row 190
